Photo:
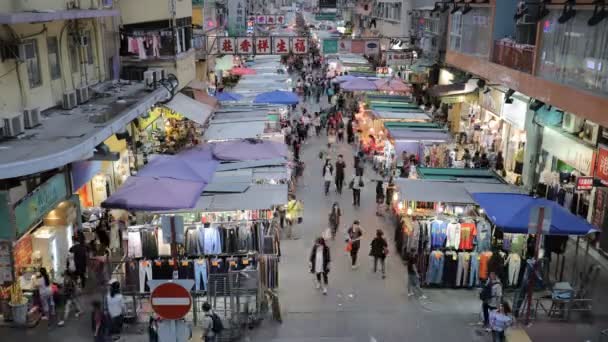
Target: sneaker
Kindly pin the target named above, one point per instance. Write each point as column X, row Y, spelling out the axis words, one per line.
column 77, row 314
column 60, row 323
column 324, row 290
column 318, row 285
column 44, row 318
column 410, row 294
column 423, row 297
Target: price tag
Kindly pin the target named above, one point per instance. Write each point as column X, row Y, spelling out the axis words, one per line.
column 158, row 263
column 215, row 263
column 233, row 263
column 185, row 263
column 171, row 263
column 245, row 261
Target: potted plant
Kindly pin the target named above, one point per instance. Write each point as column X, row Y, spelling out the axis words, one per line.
column 5, row 297
column 18, row 304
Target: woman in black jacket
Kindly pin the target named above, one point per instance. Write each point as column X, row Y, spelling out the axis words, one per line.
column 379, row 251
column 319, row 262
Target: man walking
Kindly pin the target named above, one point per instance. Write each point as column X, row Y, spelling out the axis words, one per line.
column 354, row 235
column 340, row 166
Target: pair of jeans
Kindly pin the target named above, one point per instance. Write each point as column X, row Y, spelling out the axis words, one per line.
column 486, row 313
column 200, row 275
column 68, row 305
column 339, row 184
column 325, row 280
column 48, row 304
column 326, row 184
column 357, row 197
column 474, row 270
column 382, row 264
column 413, row 284
column 354, row 252
column 145, row 273
column 498, row 336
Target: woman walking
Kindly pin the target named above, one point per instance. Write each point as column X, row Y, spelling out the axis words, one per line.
column 390, row 190
column 46, row 294
column 331, row 139
column 116, row 308
column 353, row 236
column 328, row 175
column 70, row 291
column 379, row 197
column 319, row 263
column 334, row 219
column 379, row 251
column 356, row 184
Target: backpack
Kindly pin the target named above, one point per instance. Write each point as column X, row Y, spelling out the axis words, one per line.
column 217, row 326
column 486, row 292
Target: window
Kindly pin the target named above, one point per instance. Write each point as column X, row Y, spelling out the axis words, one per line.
column 471, row 33
column 32, row 62
column 89, row 48
column 456, row 31
column 54, row 63
column 74, row 54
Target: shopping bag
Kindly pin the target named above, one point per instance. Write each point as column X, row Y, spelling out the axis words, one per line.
column 349, row 246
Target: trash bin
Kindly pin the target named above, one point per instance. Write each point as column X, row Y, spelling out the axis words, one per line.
column 19, row 312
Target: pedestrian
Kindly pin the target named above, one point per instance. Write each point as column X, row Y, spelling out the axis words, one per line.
column 317, row 123
column 413, row 278
column 340, row 130
column 350, row 136
column 45, row 292
column 340, row 167
column 319, row 263
column 356, row 184
column 294, row 212
column 484, row 163
column 476, row 160
column 212, row 324
column 328, row 175
column 340, row 101
column 116, row 308
column 353, row 240
column 99, row 322
column 379, row 251
column 331, row 139
column 70, row 293
column 491, row 297
column 79, row 252
column 500, row 320
column 379, row 197
column 334, row 219
column 390, row 190
column 466, row 157
column 330, row 93
column 296, row 148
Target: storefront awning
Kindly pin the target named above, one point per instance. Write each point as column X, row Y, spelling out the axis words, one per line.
column 446, row 191
column 422, row 135
column 470, row 175
column 256, row 197
column 190, row 108
column 417, row 115
column 234, row 130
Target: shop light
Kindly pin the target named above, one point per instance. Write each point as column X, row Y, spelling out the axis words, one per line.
column 458, row 210
column 409, row 210
column 481, row 211
column 395, row 197
column 599, row 13
column 568, row 12
column 400, row 207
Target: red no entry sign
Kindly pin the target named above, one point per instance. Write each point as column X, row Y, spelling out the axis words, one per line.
column 171, row 301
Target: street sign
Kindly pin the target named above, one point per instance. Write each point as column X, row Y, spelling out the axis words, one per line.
column 538, row 214
column 171, row 301
column 584, row 183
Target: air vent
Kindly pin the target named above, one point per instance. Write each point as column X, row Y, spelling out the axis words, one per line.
column 13, row 126
column 82, row 94
column 70, row 100
column 31, row 117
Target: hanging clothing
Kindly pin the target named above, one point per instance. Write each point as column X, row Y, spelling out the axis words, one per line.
column 484, row 236
column 467, row 236
column 453, row 235
column 462, row 273
column 484, row 258
column 513, row 264
column 438, row 233
column 435, row 269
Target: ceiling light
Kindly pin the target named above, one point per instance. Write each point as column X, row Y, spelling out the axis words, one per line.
column 599, row 13
column 568, row 12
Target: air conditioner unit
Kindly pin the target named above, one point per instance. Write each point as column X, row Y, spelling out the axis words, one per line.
column 31, row 117
column 149, row 79
column 82, row 94
column 572, row 124
column 70, row 100
column 13, row 126
column 590, row 132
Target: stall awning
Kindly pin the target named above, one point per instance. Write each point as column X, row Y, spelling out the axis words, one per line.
column 256, row 197
column 451, row 89
column 446, row 191
column 422, row 135
column 190, row 108
column 405, row 116
column 234, row 130
column 470, row 175
column 511, row 213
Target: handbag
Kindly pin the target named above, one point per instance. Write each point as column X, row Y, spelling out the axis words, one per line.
column 351, row 184
column 349, row 246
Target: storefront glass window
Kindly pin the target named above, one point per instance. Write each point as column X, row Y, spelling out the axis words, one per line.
column 471, row 33
column 574, row 53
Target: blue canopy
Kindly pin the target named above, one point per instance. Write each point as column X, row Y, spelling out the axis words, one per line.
column 277, row 97
column 228, row 96
column 511, row 213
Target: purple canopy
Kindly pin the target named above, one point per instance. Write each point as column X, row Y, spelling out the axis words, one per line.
column 186, row 167
column 155, row 194
column 359, row 84
column 249, row 150
column 344, row 78
column 277, row 97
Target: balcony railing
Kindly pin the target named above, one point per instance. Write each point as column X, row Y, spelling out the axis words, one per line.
column 515, row 56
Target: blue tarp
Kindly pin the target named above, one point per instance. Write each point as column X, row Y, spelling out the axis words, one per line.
column 511, row 213
column 277, row 97
column 228, row 96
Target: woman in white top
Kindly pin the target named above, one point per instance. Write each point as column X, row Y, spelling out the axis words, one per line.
column 331, row 139
column 45, row 292
column 319, row 263
column 116, row 307
column 328, row 175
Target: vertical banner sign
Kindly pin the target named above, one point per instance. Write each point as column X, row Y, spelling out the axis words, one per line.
column 280, row 45
column 261, row 20
column 263, row 46
column 601, row 171
column 226, row 45
column 244, row 45
column 372, row 47
column 280, row 19
column 344, row 46
column 330, row 46
column 299, row 45
column 270, row 20
column 236, row 17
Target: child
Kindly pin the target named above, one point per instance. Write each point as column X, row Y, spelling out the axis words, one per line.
column 71, row 296
column 500, row 320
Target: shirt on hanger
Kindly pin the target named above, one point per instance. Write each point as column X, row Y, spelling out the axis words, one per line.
column 453, row 235
column 467, row 234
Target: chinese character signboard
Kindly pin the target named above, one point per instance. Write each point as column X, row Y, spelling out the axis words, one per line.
column 261, row 20
column 236, row 17
column 399, row 58
column 270, row 19
column 344, row 46
column 263, row 46
column 244, row 45
column 280, row 19
column 382, row 71
column 299, row 45
column 601, row 171
column 372, row 47
column 226, row 45
column 38, row 203
column 280, row 45
column 584, row 183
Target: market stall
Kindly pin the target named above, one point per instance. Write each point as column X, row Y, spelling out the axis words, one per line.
column 426, row 141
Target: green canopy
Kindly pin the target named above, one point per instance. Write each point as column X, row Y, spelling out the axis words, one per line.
column 392, row 105
column 478, row 175
column 398, row 124
column 388, row 98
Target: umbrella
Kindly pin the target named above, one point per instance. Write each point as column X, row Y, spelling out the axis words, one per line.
column 277, row 97
column 249, row 150
column 187, row 167
column 155, row 194
column 228, row 96
column 359, row 84
column 392, row 84
column 242, row 71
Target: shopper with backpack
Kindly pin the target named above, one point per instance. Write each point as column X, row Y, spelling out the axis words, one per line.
column 491, row 297
column 212, row 324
